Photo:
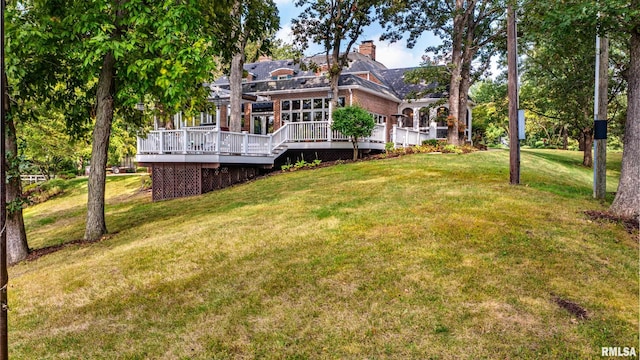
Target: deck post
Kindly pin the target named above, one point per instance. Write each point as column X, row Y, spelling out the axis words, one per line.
column 185, row 138
column 394, row 135
column 161, row 150
column 245, row 143
column 218, row 139
column 270, row 144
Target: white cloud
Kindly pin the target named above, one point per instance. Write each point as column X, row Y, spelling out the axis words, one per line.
column 285, row 33
column 396, row 55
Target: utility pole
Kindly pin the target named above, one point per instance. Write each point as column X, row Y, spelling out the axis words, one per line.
column 600, row 103
column 512, row 64
column 4, row 277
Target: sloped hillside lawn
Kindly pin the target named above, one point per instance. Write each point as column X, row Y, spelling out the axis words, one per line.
column 417, row 257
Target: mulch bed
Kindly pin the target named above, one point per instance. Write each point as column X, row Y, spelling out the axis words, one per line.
column 629, row 223
column 38, row 253
column 575, row 309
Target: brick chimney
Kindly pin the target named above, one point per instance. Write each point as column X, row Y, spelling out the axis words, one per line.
column 368, row 48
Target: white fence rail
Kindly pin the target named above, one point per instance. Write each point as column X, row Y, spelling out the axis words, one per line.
column 32, row 179
column 204, row 140
column 408, row 137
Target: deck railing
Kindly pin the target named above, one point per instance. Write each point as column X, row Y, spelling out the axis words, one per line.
column 406, row 137
column 199, row 140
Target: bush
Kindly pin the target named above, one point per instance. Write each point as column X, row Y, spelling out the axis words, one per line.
column 431, row 142
column 354, row 122
column 45, row 191
column 145, row 182
column 66, row 175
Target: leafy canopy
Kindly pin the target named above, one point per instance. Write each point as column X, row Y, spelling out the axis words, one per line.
column 353, row 121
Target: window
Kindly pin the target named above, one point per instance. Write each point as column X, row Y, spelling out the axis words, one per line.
column 316, row 109
column 379, row 119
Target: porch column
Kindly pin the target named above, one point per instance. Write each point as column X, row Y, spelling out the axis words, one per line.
column 433, row 129
column 218, row 118
column 470, row 115
column 329, row 131
column 416, row 118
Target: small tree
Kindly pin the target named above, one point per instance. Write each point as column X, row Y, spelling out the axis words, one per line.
column 354, row 122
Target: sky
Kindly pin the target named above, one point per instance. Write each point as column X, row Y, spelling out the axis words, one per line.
column 395, row 55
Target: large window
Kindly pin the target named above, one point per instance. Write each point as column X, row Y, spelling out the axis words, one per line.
column 379, row 119
column 316, row 109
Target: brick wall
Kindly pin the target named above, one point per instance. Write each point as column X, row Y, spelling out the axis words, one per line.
column 377, row 105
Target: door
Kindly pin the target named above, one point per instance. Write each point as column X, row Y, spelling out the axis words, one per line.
column 262, row 124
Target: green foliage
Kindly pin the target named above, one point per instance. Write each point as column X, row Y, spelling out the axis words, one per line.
column 389, row 146
column 493, row 134
column 430, row 142
column 300, row 164
column 336, row 26
column 38, row 193
column 145, row 182
column 353, row 121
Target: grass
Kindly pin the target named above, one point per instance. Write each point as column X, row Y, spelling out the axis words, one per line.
column 423, row 256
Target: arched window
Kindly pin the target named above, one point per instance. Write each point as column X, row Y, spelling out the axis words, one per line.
column 442, row 114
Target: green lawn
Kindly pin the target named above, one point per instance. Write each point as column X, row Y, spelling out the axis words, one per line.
column 422, row 256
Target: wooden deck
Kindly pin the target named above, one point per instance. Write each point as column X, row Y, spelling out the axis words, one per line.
column 208, row 145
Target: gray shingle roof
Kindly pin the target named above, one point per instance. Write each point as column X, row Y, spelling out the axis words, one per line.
column 392, row 79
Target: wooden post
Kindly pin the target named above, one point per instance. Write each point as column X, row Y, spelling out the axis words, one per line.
column 600, row 118
column 512, row 57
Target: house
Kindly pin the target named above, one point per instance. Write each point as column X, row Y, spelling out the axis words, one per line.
column 286, row 115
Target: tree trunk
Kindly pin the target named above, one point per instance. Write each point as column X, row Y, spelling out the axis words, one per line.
column 235, row 83
column 468, row 53
column 96, row 224
column 565, row 138
column 355, row 149
column 456, row 71
column 465, row 84
column 627, row 200
column 335, row 69
column 17, row 247
column 587, row 136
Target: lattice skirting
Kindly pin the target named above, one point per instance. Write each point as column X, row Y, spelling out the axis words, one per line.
column 175, row 180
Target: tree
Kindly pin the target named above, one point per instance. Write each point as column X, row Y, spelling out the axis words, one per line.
column 562, row 70
column 122, row 51
column 615, row 19
column 468, row 30
column 247, row 21
column 354, row 122
column 336, row 25
column 627, row 200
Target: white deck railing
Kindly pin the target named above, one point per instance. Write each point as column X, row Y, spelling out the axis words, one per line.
column 407, row 137
column 204, row 140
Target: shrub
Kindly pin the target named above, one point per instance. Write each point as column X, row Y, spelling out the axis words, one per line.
column 145, row 182
column 431, row 142
column 354, row 122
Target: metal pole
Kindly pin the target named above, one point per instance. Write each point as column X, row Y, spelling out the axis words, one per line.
column 4, row 277
column 512, row 57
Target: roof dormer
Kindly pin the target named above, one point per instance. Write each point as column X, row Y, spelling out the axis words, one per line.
column 282, row 73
